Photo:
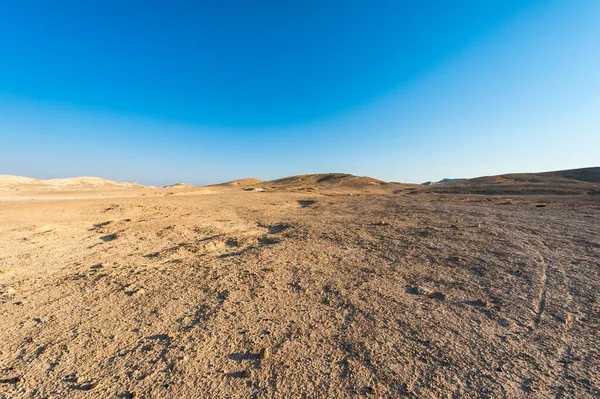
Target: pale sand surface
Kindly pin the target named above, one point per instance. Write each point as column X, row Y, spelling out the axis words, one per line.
column 317, row 293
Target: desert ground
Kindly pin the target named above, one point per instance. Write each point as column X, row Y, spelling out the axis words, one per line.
column 316, row 286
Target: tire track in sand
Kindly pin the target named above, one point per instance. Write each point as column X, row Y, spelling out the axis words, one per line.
column 541, row 303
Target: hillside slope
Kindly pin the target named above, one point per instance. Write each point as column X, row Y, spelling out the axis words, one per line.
column 567, row 182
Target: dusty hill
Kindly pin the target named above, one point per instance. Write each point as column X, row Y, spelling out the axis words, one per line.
column 333, row 179
column 324, row 181
column 179, row 185
column 10, row 181
column 568, row 182
column 250, row 181
column 443, row 181
column 583, row 174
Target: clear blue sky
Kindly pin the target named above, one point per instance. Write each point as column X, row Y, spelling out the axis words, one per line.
column 207, row 91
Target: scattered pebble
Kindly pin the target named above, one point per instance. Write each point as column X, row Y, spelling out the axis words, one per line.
column 479, row 302
column 108, row 238
column 89, row 386
column 414, row 290
column 14, row 380
column 264, row 353
column 440, row 296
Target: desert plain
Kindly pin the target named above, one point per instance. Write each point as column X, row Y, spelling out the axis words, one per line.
column 314, row 286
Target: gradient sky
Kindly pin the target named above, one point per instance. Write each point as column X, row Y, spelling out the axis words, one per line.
column 206, row 91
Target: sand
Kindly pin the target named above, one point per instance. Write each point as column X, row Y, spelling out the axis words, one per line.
column 306, row 289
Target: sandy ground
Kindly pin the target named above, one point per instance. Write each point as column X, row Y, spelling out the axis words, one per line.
column 150, row 294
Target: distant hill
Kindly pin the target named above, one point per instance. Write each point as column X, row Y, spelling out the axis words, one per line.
column 444, row 180
column 564, row 182
column 9, row 181
column 243, row 182
column 584, row 181
column 324, row 181
column 179, row 185
column 583, row 174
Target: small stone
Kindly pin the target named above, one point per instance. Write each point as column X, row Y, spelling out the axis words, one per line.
column 368, row 391
column 264, row 353
column 14, row 380
column 479, row 303
column 440, row 296
column 90, row 386
column 415, row 290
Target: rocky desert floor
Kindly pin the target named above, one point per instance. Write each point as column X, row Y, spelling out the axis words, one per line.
column 143, row 293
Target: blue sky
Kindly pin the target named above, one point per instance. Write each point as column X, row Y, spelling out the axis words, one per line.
column 159, row 92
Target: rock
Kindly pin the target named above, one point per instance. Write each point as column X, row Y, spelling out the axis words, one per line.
column 264, row 353
column 478, row 303
column 89, row 386
column 438, row 296
column 14, row 380
column 368, row 391
column 415, row 290
column 109, row 237
column 239, row 374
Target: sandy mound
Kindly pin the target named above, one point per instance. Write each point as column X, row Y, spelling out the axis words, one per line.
column 88, row 182
column 180, row 185
column 250, row 181
column 9, row 180
column 75, row 182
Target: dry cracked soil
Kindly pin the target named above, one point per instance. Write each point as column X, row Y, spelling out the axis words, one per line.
column 280, row 294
